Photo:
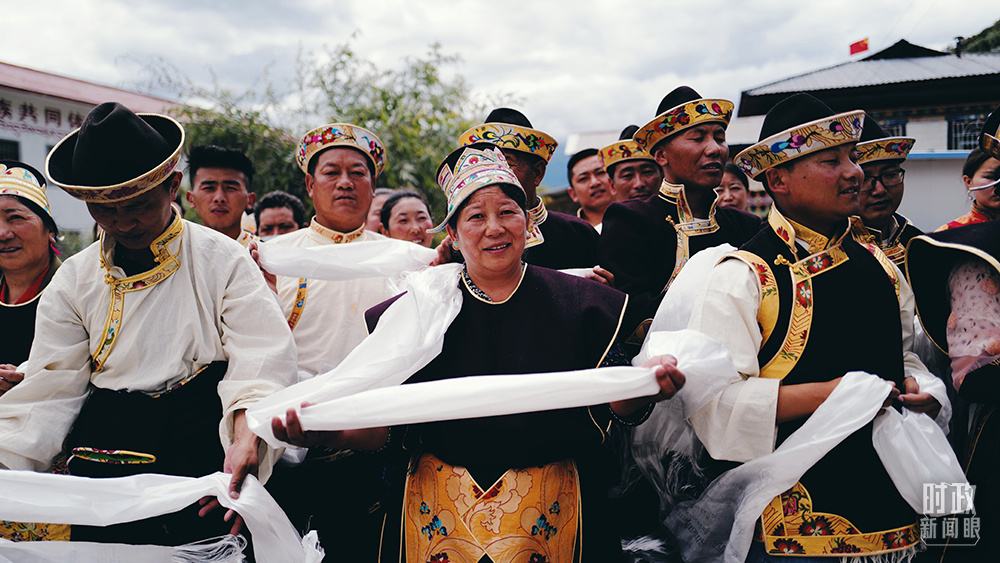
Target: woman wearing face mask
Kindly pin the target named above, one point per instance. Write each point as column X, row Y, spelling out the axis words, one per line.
column 981, row 174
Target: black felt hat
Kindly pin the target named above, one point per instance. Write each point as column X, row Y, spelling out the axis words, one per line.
column 989, row 139
column 681, row 109
column 116, row 154
column 679, row 95
column 508, row 115
column 797, row 126
column 627, row 132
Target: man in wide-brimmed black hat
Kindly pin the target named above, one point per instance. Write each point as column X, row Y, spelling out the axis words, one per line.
column 783, row 305
column 151, row 342
column 646, row 243
column 555, row 240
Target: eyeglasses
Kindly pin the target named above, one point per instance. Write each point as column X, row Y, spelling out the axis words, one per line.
column 889, row 180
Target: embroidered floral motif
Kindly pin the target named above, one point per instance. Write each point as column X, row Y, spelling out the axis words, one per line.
column 439, row 558
column 818, row 526
column 842, row 546
column 897, row 539
column 434, row 526
column 787, row 546
column 543, row 527
column 818, row 263
column 804, row 294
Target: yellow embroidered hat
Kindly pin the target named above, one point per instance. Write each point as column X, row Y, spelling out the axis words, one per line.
column 682, row 109
column 116, row 154
column 510, row 129
column 795, row 127
column 876, row 144
column 989, row 139
column 17, row 178
column 471, row 168
column 623, row 149
column 341, row 135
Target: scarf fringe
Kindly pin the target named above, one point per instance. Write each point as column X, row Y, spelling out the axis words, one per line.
column 223, row 549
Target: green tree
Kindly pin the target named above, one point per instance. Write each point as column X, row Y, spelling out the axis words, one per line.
column 418, row 110
column 986, row 41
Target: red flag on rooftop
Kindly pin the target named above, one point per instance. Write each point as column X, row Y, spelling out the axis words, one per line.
column 859, row 47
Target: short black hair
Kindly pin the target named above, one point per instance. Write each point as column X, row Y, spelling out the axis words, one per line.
column 515, row 193
column 731, row 168
column 573, row 160
column 212, row 156
column 279, row 198
column 396, row 197
column 311, row 167
column 975, row 161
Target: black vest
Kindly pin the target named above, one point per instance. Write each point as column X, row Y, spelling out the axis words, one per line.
column 855, row 327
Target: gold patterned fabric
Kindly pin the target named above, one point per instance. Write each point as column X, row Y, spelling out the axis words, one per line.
column 789, row 526
column 529, row 515
column 686, row 226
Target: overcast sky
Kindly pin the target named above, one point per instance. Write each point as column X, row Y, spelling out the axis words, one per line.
column 582, row 65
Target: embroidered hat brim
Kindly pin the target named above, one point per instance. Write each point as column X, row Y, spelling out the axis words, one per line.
column 682, row 117
column 889, row 148
column 989, row 139
column 87, row 164
column 476, row 167
column 341, row 135
column 621, row 151
column 514, row 137
column 19, row 179
column 801, row 140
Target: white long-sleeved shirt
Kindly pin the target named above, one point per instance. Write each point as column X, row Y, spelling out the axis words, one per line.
column 214, row 307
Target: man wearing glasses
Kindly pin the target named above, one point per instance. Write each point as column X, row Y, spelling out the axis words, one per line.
column 881, row 156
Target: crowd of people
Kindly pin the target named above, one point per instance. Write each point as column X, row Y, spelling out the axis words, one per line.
column 144, row 352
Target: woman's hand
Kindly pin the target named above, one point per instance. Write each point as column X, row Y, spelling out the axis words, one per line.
column 668, row 377
column 9, row 377
column 291, row 432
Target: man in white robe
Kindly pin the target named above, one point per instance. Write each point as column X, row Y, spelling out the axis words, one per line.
column 140, row 316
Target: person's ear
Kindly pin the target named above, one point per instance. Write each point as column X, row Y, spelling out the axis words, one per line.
column 777, row 180
column 251, row 199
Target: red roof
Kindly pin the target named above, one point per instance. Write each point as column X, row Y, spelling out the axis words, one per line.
column 36, row 81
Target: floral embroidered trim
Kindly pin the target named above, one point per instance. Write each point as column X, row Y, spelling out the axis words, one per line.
column 801, row 140
column 620, row 151
column 335, row 237
column 889, row 148
column 767, row 314
column 536, row 216
column 300, row 302
column 530, row 515
column 790, row 527
column 167, row 265
column 683, row 117
column 508, row 136
column 341, row 134
column 115, row 457
column 686, row 227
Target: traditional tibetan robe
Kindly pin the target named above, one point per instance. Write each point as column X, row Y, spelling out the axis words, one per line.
column 977, row 214
column 893, row 243
column 788, row 305
column 559, row 241
column 645, row 243
column 542, row 477
column 118, row 357
column 17, row 321
column 326, row 317
column 956, row 280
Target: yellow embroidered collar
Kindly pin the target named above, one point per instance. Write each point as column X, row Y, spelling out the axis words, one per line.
column 895, row 229
column 536, row 216
column 162, row 254
column 789, row 230
column 328, row 236
column 674, row 193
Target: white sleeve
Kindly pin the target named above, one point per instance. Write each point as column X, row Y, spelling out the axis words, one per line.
column 739, row 425
column 912, row 365
column 259, row 347
column 37, row 414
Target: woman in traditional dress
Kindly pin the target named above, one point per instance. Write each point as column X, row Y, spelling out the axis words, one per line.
column 981, row 175
column 525, row 487
column 28, row 259
column 405, row 215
